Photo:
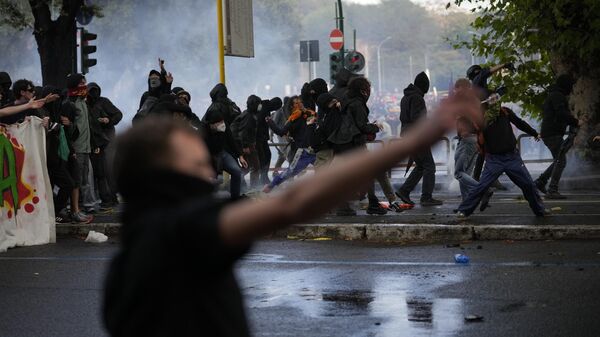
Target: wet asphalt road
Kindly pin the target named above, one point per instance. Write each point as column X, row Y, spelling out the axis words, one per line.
column 326, row 288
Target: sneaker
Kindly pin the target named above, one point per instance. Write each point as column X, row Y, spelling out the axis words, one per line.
column 396, row 207
column 546, row 212
column 461, row 216
column 376, row 209
column 485, row 201
column 345, row 211
column 81, row 218
column 555, row 195
column 541, row 186
column 404, row 197
column 59, row 219
column 431, row 202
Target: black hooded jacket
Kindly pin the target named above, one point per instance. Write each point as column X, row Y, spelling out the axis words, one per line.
column 262, row 128
column 164, row 88
column 102, row 107
column 556, row 115
column 356, row 106
column 248, row 122
column 412, row 107
column 173, row 274
column 221, row 103
column 327, row 121
column 340, row 90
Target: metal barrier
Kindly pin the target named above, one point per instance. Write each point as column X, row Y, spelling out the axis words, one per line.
column 530, row 161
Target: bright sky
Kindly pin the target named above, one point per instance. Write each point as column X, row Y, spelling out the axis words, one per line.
column 420, row 2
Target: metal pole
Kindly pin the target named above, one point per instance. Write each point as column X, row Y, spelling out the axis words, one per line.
column 309, row 67
column 355, row 40
column 379, row 62
column 411, row 68
column 341, row 24
column 221, row 41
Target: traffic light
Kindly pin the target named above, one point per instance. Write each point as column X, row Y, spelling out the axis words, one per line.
column 355, row 61
column 86, row 50
column 335, row 65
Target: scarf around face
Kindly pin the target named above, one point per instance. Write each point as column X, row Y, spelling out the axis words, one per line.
column 80, row 91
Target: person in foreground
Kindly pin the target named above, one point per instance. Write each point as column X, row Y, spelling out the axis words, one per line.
column 173, row 275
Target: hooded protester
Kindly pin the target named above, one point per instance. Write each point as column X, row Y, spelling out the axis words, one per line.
column 224, row 150
column 103, row 118
column 412, row 110
column 311, row 91
column 159, row 83
column 299, row 127
column 221, row 103
column 556, row 116
column 263, row 137
column 245, row 126
column 306, row 96
column 7, row 94
column 340, row 89
column 479, row 77
column 328, row 117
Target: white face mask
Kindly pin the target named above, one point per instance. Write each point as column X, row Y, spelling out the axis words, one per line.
column 259, row 107
column 220, row 127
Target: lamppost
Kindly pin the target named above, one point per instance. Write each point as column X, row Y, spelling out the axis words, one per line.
column 379, row 61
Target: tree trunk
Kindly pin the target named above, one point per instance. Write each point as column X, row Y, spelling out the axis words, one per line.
column 56, row 40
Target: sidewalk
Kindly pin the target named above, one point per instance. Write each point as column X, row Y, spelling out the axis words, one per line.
column 509, row 218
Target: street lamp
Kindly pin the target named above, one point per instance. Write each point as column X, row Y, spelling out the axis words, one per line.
column 379, row 61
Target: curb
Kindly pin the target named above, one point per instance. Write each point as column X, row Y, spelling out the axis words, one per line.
column 396, row 233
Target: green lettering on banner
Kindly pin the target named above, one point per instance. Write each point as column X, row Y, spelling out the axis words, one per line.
column 8, row 164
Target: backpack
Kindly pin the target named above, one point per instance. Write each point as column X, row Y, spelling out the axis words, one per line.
column 149, row 103
column 405, row 113
column 346, row 129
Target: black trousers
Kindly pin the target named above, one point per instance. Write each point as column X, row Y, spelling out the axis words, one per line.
column 264, row 158
column 61, row 178
column 554, row 171
column 100, row 178
column 425, row 168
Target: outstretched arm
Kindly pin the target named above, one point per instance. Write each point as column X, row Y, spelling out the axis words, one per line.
column 243, row 222
column 11, row 110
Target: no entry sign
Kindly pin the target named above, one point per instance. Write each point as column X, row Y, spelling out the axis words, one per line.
column 336, row 39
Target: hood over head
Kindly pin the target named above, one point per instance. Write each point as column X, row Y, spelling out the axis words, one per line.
column 219, row 92
column 93, row 86
column 343, row 77
column 357, row 85
column 275, row 103
column 422, row 82
column 5, row 80
column 319, row 86
column 252, row 103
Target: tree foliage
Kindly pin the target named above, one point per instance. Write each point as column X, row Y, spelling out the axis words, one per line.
column 542, row 37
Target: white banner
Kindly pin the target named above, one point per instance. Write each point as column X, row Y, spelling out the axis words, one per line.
column 26, row 204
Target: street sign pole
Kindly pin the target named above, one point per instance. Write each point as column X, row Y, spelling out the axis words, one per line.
column 340, row 20
column 309, row 63
column 221, row 41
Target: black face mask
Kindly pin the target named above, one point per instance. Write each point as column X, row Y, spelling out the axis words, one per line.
column 94, row 94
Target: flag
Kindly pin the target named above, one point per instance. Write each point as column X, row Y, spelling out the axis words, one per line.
column 26, row 196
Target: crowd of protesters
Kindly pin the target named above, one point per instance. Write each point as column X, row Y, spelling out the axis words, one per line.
column 311, row 129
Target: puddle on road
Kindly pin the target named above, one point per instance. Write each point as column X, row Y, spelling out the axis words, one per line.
column 399, row 302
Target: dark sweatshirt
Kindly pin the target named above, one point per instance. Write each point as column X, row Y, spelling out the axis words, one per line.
column 556, row 115
column 499, row 136
column 412, row 107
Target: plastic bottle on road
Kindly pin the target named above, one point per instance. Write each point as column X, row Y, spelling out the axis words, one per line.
column 461, row 258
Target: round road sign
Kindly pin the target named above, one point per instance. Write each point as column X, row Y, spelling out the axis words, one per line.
column 336, row 39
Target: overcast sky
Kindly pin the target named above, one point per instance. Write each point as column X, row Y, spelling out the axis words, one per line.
column 420, row 2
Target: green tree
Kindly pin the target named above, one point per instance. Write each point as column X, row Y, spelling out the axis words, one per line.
column 544, row 38
column 55, row 38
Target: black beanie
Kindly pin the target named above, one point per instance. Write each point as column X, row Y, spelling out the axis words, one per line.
column 74, row 80
column 176, row 90
column 213, row 116
column 154, row 72
column 422, row 82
